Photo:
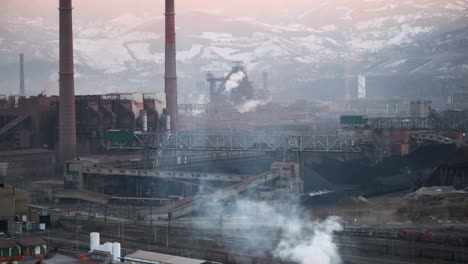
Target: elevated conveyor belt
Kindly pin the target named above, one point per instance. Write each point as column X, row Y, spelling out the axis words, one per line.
column 259, row 142
column 189, row 204
column 12, row 125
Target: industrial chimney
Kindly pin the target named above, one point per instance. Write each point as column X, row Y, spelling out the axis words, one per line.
column 22, row 91
column 170, row 77
column 67, row 124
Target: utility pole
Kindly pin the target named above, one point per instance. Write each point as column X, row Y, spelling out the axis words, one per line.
column 122, row 231
column 169, row 216
column 190, row 226
column 155, row 232
column 77, row 220
column 221, row 228
column 105, row 214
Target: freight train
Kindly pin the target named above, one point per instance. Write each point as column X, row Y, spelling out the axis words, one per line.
column 424, row 236
column 431, row 237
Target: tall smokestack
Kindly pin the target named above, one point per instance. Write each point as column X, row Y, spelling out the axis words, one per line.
column 170, row 77
column 22, row 89
column 67, row 125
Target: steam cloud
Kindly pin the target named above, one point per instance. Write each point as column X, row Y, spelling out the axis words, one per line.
column 234, row 81
column 250, row 105
column 300, row 240
column 316, row 248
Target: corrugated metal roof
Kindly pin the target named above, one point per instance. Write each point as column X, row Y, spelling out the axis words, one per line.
column 31, row 241
column 7, row 243
column 152, row 257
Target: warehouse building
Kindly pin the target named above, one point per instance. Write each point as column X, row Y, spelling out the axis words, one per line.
column 13, row 250
column 9, row 249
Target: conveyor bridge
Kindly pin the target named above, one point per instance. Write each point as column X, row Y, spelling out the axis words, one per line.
column 239, row 142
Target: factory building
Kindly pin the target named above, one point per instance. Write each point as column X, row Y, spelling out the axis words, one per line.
column 19, row 249
column 112, row 182
column 33, row 246
column 420, row 109
column 22, row 167
column 147, row 171
column 32, row 122
column 13, row 203
column 9, row 249
column 459, row 98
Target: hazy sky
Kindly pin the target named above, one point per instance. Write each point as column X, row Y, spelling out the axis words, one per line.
column 106, row 8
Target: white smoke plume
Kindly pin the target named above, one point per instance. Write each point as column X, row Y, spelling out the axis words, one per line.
column 250, row 105
column 234, row 81
column 301, row 240
column 319, row 192
column 310, row 249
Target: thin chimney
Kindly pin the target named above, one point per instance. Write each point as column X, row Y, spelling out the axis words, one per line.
column 67, row 124
column 170, row 77
column 22, row 89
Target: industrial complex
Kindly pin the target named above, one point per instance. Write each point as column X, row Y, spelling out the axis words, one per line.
column 238, row 179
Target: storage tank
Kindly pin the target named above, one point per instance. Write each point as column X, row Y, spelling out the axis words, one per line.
column 116, row 251
column 93, row 241
column 108, row 247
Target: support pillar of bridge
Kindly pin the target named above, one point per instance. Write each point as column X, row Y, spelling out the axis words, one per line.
column 290, row 182
column 300, row 162
column 73, row 175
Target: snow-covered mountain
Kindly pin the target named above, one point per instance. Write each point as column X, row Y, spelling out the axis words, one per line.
column 331, row 39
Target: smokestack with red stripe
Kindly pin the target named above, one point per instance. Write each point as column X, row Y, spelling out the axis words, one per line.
column 67, row 124
column 170, row 77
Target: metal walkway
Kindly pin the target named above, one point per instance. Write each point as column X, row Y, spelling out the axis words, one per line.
column 239, row 142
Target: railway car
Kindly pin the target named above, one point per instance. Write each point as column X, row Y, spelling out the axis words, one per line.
column 415, row 235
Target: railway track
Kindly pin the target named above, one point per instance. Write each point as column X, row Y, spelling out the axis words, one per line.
column 64, row 240
column 193, row 241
